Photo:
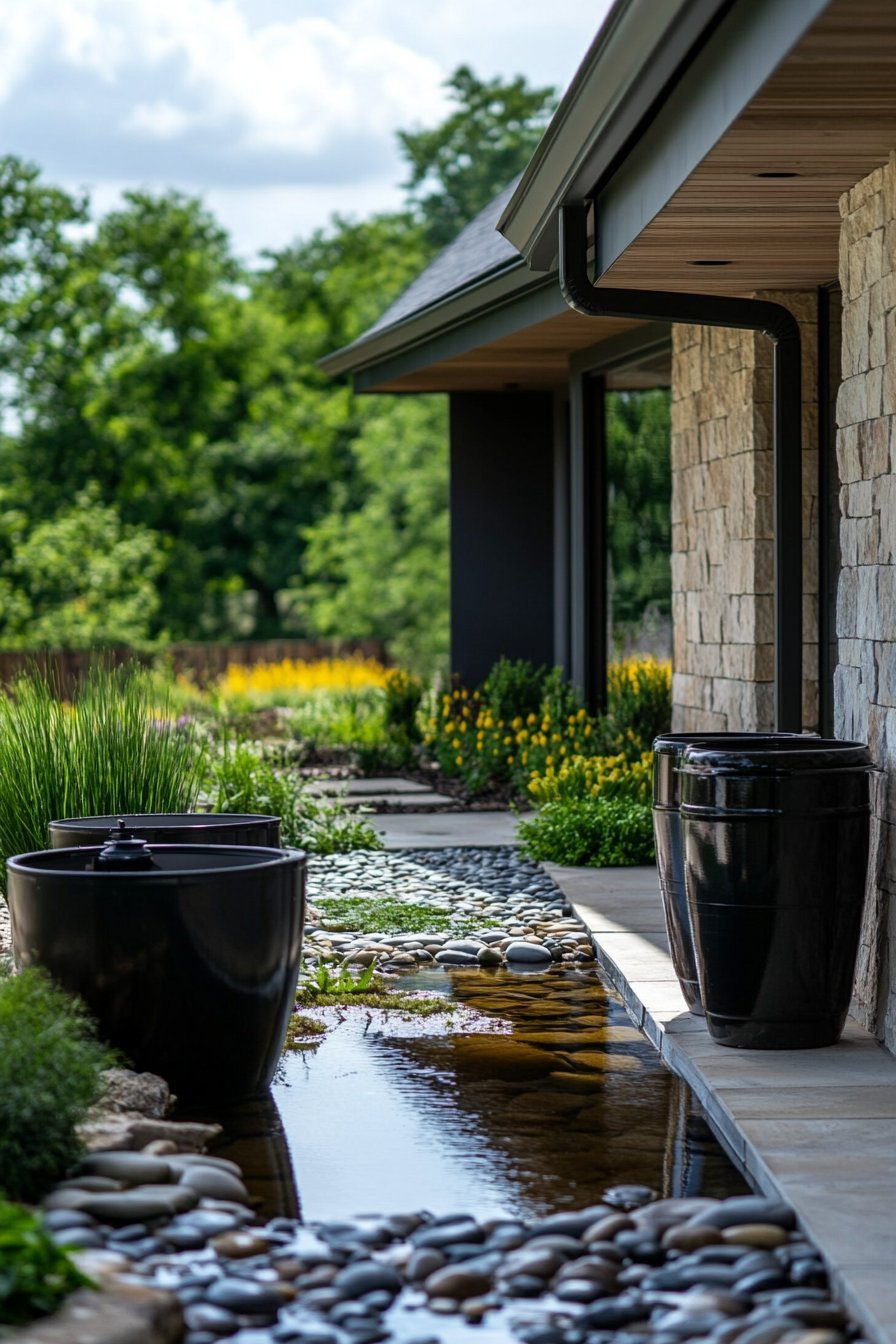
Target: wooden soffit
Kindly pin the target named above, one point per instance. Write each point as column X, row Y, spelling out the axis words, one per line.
column 535, row 358
column 827, row 115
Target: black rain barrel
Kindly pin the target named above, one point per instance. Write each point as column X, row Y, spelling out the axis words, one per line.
column 171, row 828
column 668, row 749
column 187, row 958
column 776, row 854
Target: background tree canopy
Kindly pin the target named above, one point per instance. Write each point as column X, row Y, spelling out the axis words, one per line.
column 174, row 465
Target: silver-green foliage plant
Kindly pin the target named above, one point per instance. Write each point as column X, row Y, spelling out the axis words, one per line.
column 113, row 749
column 50, row 1073
column 244, row 778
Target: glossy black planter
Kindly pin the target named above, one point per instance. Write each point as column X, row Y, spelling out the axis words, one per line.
column 776, row 854
column 171, row 828
column 189, row 966
column 668, row 749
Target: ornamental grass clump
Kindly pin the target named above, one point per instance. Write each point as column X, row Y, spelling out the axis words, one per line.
column 50, row 1073
column 114, row 748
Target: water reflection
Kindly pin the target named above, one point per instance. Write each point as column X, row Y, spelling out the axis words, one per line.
column 539, row 1098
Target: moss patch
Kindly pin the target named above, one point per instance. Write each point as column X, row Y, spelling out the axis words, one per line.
column 388, row 1000
column 303, row 1032
column 381, row 915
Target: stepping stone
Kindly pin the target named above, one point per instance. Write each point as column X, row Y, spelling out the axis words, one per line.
column 399, row 800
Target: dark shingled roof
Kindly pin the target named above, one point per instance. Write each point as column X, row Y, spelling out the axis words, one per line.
column 476, row 251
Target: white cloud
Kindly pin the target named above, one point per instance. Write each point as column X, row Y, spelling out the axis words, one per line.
column 254, row 101
column 282, row 89
column 160, row 120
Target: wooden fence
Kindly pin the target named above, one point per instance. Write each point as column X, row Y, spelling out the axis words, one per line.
column 203, row 662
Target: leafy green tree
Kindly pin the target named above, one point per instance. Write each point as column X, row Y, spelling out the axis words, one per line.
column 163, row 406
column 381, row 569
column 81, row 579
column 335, row 284
column 459, row 166
column 639, row 483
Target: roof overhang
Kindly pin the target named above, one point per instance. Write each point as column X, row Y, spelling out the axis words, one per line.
column 732, row 181
column 508, row 331
column 637, row 52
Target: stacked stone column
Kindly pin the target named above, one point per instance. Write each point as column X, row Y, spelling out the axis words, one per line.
column 723, row 525
column 865, row 680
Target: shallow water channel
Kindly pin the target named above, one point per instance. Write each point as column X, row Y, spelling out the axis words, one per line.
column 535, row 1093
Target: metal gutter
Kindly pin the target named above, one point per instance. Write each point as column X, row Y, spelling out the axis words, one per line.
column 639, row 49
column 779, row 324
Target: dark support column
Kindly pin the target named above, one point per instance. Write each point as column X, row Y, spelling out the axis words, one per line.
column 588, row 535
column 502, row 530
column 562, row 634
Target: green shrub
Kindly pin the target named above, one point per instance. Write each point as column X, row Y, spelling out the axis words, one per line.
column 514, row 689
column 50, row 1065
column 639, row 704
column 524, row 721
column 403, row 694
column 580, row 777
column 114, row 749
column 36, row 1275
column 589, row 832
column 244, row 777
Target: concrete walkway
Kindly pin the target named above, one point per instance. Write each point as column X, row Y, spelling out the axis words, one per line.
column 815, row 1127
column 420, row 830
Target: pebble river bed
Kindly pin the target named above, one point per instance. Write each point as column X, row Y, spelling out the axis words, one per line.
column 521, row 1167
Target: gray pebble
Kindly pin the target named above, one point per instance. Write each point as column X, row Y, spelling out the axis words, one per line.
column 244, row 1297
column 142, row 1203
column 356, row 1280
column 214, row 1183
column 133, row 1168
column 533, row 953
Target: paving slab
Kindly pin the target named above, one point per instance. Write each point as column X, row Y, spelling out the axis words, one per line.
column 407, row 802
column 428, row 830
column 370, row 784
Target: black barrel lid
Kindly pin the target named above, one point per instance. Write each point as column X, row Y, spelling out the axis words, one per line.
column 782, row 757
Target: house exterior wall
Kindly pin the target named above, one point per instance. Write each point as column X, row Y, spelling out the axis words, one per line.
column 723, row 525
column 865, row 678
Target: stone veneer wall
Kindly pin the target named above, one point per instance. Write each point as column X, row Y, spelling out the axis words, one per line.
column 722, row 525
column 865, row 679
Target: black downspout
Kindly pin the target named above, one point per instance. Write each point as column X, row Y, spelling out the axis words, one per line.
column 782, row 329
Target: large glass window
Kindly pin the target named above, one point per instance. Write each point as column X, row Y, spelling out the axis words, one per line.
column 639, row 489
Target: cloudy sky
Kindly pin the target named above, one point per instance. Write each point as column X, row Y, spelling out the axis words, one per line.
column 278, row 111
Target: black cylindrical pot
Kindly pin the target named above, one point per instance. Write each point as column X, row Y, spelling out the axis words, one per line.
column 668, row 749
column 171, row 828
column 776, row 855
column 188, row 967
